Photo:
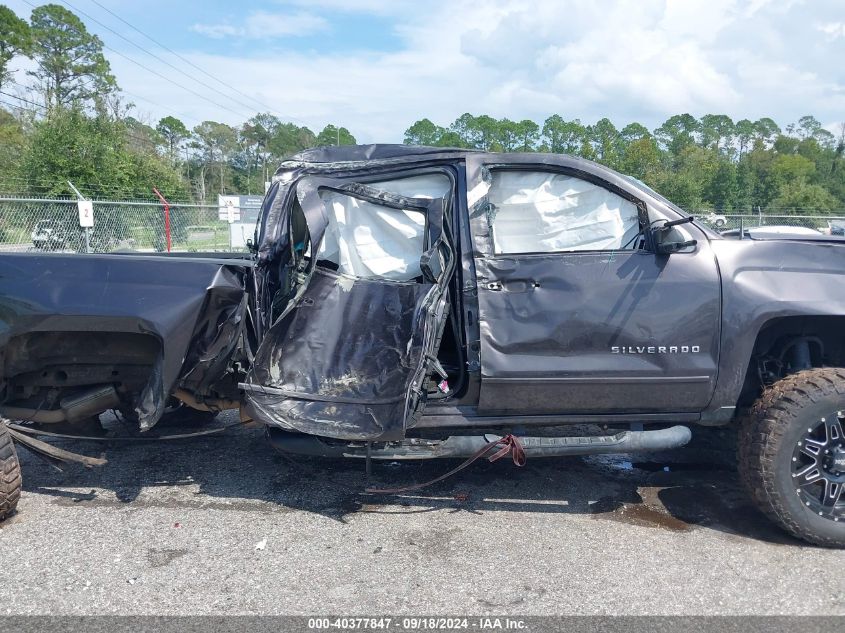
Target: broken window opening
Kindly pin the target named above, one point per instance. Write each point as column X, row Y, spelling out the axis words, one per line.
column 370, row 241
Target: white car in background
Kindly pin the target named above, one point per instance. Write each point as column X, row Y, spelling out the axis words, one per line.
column 716, row 220
column 763, row 231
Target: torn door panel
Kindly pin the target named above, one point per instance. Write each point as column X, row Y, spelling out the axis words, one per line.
column 340, row 365
column 349, row 355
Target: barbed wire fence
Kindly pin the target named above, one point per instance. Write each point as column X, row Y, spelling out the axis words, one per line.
column 46, row 224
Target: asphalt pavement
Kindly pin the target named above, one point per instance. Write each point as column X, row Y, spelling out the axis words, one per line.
column 224, row 525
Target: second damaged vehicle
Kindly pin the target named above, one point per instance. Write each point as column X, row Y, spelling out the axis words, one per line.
column 407, row 303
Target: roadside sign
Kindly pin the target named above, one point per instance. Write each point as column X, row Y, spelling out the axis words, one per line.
column 86, row 213
column 239, row 208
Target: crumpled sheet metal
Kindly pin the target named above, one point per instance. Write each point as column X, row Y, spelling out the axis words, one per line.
column 346, row 356
column 156, row 295
column 217, row 332
column 341, row 364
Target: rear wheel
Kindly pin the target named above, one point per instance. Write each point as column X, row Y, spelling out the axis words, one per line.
column 792, row 455
column 10, row 473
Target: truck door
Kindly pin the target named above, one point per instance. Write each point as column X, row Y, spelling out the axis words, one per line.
column 349, row 352
column 575, row 315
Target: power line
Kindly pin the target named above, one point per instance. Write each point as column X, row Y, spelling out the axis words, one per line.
column 158, row 74
column 37, row 105
column 126, row 92
column 42, row 183
column 128, row 132
column 193, row 65
column 153, row 55
column 10, row 105
column 186, row 117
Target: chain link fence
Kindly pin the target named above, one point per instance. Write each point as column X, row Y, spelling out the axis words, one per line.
column 35, row 224
column 810, row 220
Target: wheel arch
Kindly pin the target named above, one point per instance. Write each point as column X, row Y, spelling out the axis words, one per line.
column 50, row 364
column 776, row 340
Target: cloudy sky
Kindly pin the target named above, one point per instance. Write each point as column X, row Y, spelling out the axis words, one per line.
column 376, row 66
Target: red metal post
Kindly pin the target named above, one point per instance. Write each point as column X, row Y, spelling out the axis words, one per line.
column 166, row 216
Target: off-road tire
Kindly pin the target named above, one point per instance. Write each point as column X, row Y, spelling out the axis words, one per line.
column 768, row 434
column 10, row 473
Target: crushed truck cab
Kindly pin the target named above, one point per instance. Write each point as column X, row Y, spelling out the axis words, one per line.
column 410, row 302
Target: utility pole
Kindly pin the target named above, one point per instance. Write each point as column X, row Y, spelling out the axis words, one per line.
column 338, row 135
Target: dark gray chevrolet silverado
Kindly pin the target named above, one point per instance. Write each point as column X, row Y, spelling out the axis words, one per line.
column 410, row 302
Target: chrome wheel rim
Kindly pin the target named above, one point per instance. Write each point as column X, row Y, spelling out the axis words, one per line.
column 818, row 467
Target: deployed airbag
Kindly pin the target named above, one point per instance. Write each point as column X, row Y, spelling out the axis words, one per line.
column 542, row 212
column 369, row 240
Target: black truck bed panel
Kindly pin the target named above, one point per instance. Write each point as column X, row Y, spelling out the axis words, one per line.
column 180, row 301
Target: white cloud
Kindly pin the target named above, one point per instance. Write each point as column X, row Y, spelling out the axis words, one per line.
column 833, row 30
column 266, row 25
column 628, row 60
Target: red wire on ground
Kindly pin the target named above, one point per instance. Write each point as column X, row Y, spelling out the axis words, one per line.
column 507, row 445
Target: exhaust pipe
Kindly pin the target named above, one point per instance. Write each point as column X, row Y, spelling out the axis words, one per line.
column 90, row 403
column 73, row 408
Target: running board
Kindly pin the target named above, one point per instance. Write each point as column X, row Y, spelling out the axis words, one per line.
column 461, row 446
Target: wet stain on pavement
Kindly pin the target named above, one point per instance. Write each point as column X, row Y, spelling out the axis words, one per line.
column 163, row 557
column 640, row 514
column 645, row 516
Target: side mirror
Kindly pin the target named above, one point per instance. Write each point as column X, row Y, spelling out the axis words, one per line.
column 660, row 237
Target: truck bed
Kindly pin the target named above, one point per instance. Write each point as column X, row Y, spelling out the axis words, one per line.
column 57, row 309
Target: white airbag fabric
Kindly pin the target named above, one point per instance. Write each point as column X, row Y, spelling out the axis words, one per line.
column 541, row 212
column 373, row 241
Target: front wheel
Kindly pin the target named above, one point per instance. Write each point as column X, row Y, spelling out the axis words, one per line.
column 10, row 473
column 792, row 455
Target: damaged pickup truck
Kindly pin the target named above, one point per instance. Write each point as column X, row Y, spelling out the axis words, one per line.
column 409, row 302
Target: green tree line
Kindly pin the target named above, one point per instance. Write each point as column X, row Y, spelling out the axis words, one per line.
column 71, row 121
column 711, row 162
column 67, row 119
